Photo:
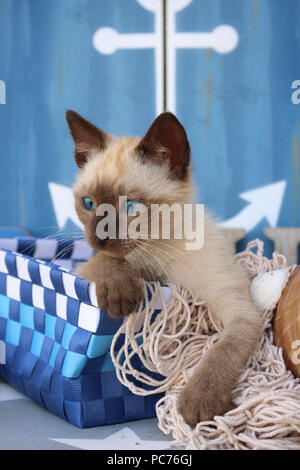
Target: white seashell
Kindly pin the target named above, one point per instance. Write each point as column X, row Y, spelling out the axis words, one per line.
column 266, row 288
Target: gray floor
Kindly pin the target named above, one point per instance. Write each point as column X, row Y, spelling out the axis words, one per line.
column 25, row 425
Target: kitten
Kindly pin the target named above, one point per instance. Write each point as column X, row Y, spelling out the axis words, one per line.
column 156, row 169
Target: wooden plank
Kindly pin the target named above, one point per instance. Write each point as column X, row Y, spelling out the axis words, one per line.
column 286, row 241
column 233, row 235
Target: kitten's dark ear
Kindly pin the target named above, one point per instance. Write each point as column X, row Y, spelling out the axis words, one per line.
column 166, row 139
column 87, row 137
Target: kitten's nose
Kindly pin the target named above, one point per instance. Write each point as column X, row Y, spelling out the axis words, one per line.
column 102, row 241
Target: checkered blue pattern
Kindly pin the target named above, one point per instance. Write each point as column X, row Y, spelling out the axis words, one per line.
column 61, row 252
column 57, row 339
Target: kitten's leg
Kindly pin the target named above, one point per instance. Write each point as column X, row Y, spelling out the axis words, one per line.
column 209, row 391
column 119, row 289
column 225, row 287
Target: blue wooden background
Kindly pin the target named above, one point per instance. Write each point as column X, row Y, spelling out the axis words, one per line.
column 237, row 109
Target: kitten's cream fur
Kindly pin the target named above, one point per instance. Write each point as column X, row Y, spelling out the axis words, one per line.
column 211, row 273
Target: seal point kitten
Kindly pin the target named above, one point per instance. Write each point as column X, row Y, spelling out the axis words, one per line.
column 156, row 170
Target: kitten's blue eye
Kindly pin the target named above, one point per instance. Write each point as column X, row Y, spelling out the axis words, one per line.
column 88, row 203
column 132, row 207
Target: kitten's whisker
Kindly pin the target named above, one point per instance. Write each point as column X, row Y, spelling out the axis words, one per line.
column 159, row 241
column 58, row 234
column 62, row 252
column 56, row 227
column 60, row 255
column 158, row 261
column 150, row 275
column 48, row 238
column 154, row 254
column 182, row 262
column 170, row 246
column 164, row 274
column 168, row 254
column 178, row 254
column 148, row 266
column 30, row 247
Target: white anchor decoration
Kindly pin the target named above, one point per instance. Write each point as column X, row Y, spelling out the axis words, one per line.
column 265, row 201
column 222, row 39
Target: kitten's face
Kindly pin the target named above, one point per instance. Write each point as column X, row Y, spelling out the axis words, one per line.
column 152, row 170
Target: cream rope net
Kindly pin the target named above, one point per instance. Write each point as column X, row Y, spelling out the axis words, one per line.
column 267, row 396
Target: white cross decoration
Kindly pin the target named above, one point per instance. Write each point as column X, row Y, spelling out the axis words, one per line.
column 222, row 39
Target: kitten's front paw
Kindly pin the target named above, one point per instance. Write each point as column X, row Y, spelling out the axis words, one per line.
column 119, row 295
column 199, row 402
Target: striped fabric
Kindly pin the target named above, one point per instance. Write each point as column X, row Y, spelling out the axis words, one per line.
column 56, row 338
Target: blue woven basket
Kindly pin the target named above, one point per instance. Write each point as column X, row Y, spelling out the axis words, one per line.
column 57, row 339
